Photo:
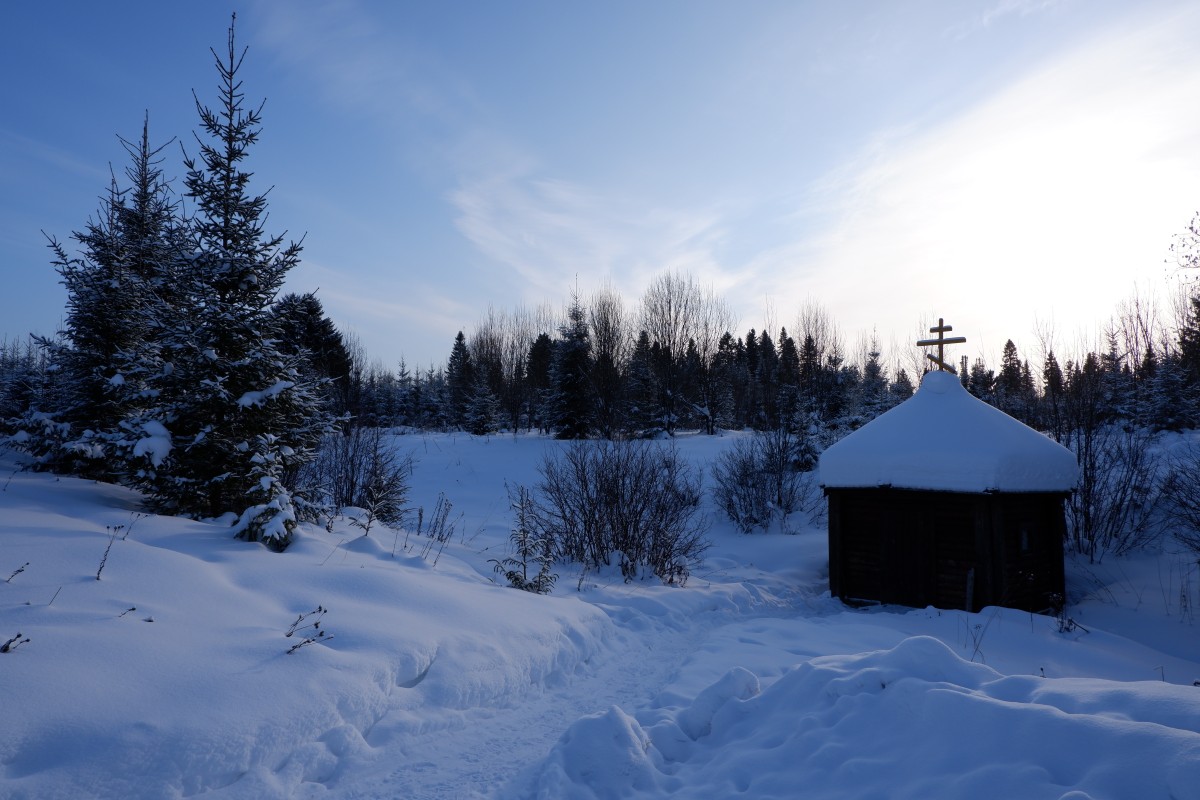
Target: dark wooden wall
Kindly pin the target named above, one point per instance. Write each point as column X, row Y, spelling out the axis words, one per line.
column 946, row 549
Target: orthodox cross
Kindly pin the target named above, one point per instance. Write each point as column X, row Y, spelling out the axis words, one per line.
column 941, row 341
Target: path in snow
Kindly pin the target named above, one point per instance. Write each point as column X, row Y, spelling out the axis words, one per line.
column 424, row 752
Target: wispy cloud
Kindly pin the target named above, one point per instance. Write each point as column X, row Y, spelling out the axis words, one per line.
column 17, row 147
column 357, row 58
column 363, row 299
column 1000, row 11
column 548, row 231
column 1019, row 8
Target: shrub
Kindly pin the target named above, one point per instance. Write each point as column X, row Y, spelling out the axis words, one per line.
column 359, row 468
column 1181, row 493
column 1115, row 508
column 762, row 480
column 636, row 501
column 440, row 529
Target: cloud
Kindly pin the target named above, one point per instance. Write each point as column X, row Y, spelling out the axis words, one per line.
column 1020, row 8
column 1048, row 198
column 1055, row 196
column 549, row 230
column 360, row 58
column 365, row 299
column 17, row 148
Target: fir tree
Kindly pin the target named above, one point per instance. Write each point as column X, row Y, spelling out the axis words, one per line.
column 570, row 377
column 752, row 395
column 872, row 390
column 789, row 377
column 810, row 377
column 768, row 383
column 981, row 380
column 537, row 374
column 232, row 405
column 1008, row 382
column 434, row 400
column 642, row 387
column 407, row 391
column 23, row 379
column 483, row 410
column 307, row 334
column 900, row 389
column 1172, row 397
column 1013, row 391
column 1187, row 381
column 1054, row 398
column 109, row 348
column 725, row 377
column 460, row 381
column 1119, row 393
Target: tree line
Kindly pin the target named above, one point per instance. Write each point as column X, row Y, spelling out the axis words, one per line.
column 606, row 371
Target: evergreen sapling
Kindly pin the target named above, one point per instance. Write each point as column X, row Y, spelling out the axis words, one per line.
column 531, row 544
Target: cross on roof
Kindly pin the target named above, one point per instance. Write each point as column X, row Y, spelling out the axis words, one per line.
column 940, row 359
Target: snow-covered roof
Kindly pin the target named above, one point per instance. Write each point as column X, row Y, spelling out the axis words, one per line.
column 945, row 439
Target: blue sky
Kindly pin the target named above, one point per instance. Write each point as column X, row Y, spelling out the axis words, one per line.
column 1008, row 165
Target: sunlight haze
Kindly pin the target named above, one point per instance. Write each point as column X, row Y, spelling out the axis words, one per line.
column 1002, row 164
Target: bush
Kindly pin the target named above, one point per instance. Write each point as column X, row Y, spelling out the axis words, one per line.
column 762, row 480
column 361, row 469
column 1181, row 493
column 1115, row 508
column 635, row 501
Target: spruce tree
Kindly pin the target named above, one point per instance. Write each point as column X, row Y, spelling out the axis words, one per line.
column 570, row 376
column 460, row 381
column 641, row 388
column 108, row 349
column 537, row 378
column 768, row 382
column 872, row 390
column 1187, row 382
column 981, row 381
column 1008, row 382
column 789, row 378
column 407, row 395
column 725, row 380
column 233, row 407
column 810, row 376
column 483, row 410
column 1054, row 399
column 1172, row 398
column 900, row 389
column 307, row 334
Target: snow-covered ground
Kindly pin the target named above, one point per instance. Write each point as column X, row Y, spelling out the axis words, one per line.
column 170, row 677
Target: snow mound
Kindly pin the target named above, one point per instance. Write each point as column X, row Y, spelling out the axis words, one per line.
column 912, row 721
column 171, row 675
column 943, row 438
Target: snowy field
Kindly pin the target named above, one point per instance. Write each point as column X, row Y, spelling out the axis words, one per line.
column 169, row 676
